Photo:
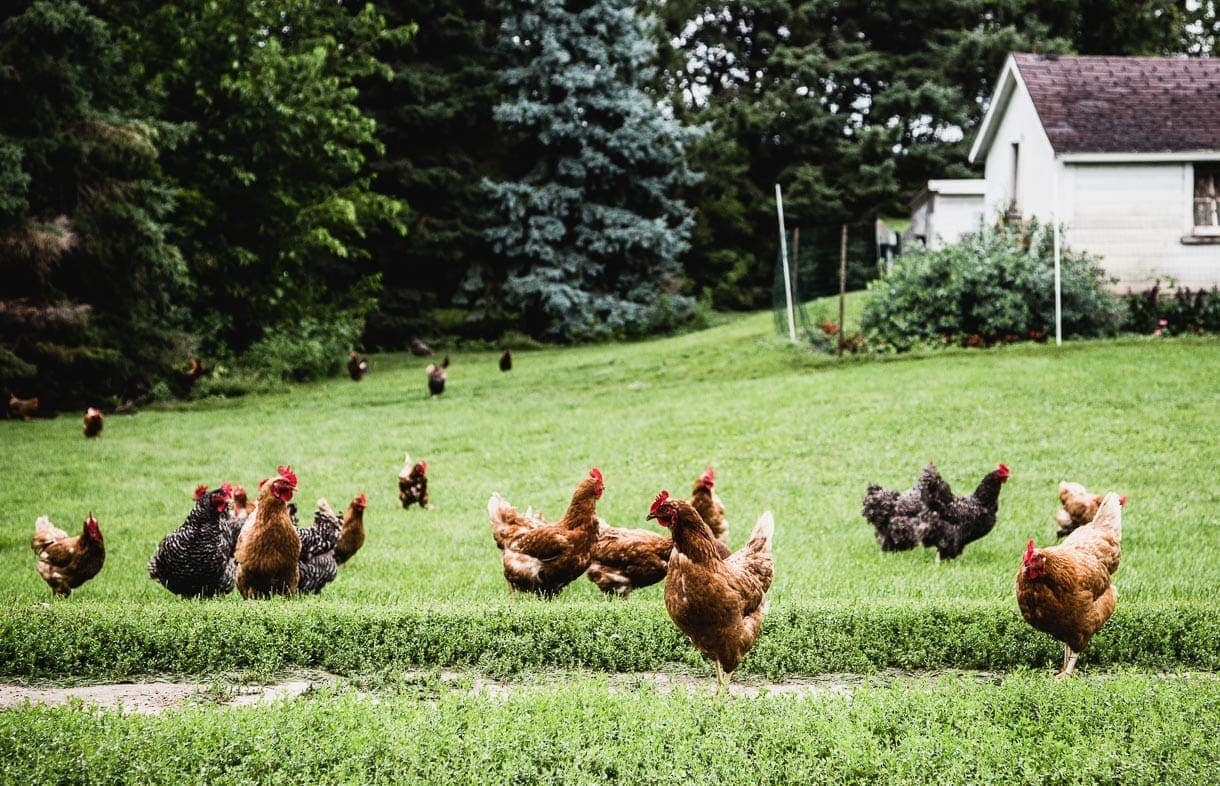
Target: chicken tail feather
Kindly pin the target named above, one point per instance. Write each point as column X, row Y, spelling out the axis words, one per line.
column 764, row 529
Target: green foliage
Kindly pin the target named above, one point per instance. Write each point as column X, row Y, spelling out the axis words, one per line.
column 1161, row 314
column 104, row 641
column 993, row 286
column 853, row 106
column 92, row 277
column 1128, row 728
column 309, row 349
column 277, row 188
column 587, row 227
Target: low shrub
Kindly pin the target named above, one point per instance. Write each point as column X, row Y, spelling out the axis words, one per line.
column 1157, row 312
column 100, row 641
column 308, row 349
column 993, row 287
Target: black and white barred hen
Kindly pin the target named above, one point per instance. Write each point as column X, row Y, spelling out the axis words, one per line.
column 901, row 520
column 963, row 519
column 318, row 565
column 196, row 560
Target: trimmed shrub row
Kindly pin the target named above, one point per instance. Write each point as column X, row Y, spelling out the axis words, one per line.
column 110, row 642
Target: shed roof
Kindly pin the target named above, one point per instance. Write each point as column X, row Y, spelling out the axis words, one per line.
column 1096, row 104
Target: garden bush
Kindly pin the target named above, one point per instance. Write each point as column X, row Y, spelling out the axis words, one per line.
column 995, row 286
column 1155, row 311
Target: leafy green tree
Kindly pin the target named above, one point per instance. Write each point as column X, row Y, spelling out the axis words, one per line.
column 277, row 193
column 588, row 224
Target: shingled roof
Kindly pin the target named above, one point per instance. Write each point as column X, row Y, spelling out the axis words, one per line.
column 1125, row 104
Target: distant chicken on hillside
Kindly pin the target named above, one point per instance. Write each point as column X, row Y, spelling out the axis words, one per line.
column 1066, row 590
column 357, row 366
column 269, row 548
column 718, row 602
column 544, row 558
column 506, row 360
column 66, row 563
column 419, row 348
column 93, row 422
column 1079, row 507
column 705, row 500
column 24, row 408
column 437, row 376
column 413, row 483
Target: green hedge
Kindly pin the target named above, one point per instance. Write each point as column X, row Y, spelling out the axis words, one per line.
column 102, row 641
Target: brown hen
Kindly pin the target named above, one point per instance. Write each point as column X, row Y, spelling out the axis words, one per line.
column 269, row 547
column 1065, row 590
column 718, row 602
column 1079, row 507
column 66, row 563
column 544, row 558
column 705, row 500
column 351, row 536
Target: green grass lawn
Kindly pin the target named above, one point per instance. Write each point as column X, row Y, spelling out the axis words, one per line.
column 788, row 431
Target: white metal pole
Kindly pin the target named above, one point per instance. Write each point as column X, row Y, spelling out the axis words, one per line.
column 1055, row 229
column 783, row 250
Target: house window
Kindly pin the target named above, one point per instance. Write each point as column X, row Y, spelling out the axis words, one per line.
column 1207, row 199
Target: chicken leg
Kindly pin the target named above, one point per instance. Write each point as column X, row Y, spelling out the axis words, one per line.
column 1069, row 662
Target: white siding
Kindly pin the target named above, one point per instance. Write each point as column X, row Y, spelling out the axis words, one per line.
column 1020, row 125
column 1135, row 216
column 951, row 216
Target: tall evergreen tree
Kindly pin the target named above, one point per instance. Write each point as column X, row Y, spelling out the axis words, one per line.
column 89, row 273
column 589, row 226
column 434, row 117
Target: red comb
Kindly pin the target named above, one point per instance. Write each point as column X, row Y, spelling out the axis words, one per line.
column 200, row 490
column 423, row 465
column 227, row 488
column 1002, row 468
column 287, row 474
column 1029, row 551
column 659, row 501
column 239, row 491
column 362, row 501
column 596, row 474
column 708, row 478
column 1122, row 500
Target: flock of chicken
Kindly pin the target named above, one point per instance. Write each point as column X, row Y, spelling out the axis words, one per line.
column 1065, row 590
column 718, row 598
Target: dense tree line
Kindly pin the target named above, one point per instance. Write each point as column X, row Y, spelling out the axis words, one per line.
column 267, row 184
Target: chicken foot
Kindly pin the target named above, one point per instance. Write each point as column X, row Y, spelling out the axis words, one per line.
column 1069, row 662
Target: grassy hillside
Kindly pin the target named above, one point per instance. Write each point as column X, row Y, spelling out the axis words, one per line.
column 787, row 431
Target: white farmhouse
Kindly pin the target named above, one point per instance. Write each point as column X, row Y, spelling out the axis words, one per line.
column 1124, row 152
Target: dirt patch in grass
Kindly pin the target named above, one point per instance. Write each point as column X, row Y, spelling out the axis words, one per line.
column 157, row 696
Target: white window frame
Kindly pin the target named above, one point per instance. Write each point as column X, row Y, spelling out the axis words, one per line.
column 1208, row 230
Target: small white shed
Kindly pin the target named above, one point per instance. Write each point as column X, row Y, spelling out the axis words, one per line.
column 1124, row 152
column 944, row 212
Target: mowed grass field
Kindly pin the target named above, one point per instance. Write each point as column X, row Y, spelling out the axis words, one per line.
column 787, row 431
